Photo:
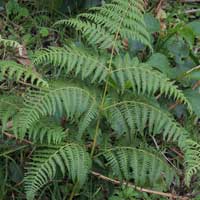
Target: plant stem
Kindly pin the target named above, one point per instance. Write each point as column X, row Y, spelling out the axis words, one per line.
column 95, row 137
column 107, row 80
column 140, row 189
column 73, row 191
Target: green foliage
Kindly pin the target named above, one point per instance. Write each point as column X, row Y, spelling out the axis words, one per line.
column 144, row 80
column 111, row 23
column 73, row 101
column 9, row 43
column 192, row 159
column 131, row 194
column 14, row 71
column 134, row 116
column 141, row 166
column 73, row 59
column 105, row 93
column 9, row 106
column 46, row 131
column 43, row 167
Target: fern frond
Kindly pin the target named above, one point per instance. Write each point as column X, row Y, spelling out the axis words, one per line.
column 70, row 100
column 144, row 80
column 134, row 116
column 93, row 33
column 74, row 59
column 70, row 159
column 9, row 106
column 109, row 24
column 46, row 131
column 17, row 72
column 139, row 165
column 192, row 159
column 9, row 43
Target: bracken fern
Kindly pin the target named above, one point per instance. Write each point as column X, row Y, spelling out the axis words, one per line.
column 14, row 71
column 103, row 102
column 131, row 163
column 70, row 158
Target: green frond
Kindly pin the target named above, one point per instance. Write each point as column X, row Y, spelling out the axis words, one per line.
column 94, row 34
column 46, row 131
column 9, row 43
column 9, row 106
column 134, row 116
column 14, row 71
column 144, row 80
column 107, row 25
column 72, row 101
column 74, row 59
column 138, row 165
column 192, row 159
column 70, row 159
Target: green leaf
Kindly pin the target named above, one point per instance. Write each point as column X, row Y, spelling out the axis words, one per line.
column 195, row 26
column 23, row 12
column 15, row 172
column 153, row 25
column 160, row 62
column 188, row 34
column 44, row 32
column 193, row 96
column 195, row 75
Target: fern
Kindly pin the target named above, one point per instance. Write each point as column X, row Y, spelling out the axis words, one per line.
column 14, row 71
column 133, row 116
column 141, row 166
column 112, row 23
column 9, row 106
column 116, row 79
column 125, row 71
column 69, row 158
column 74, row 59
column 9, row 43
column 46, row 131
column 144, row 80
column 192, row 159
column 70, row 100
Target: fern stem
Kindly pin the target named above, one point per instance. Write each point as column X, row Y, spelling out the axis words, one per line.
column 11, row 136
column 73, row 191
column 107, row 79
column 95, row 137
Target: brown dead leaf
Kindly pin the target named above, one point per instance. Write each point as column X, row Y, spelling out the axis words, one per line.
column 22, row 57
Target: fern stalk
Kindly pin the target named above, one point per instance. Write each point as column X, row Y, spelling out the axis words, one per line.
column 73, row 191
column 106, row 84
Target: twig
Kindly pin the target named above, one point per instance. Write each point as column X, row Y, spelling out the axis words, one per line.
column 159, row 6
column 193, row 69
column 196, row 85
column 140, row 189
column 173, row 106
column 192, row 11
column 158, row 148
column 177, row 152
column 189, row 1
column 11, row 136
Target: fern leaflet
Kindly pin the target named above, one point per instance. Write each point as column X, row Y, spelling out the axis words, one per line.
column 70, row 158
column 70, row 100
column 141, row 166
column 124, row 18
column 133, row 117
column 14, row 71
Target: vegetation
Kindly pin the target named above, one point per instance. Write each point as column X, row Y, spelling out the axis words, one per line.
column 99, row 100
